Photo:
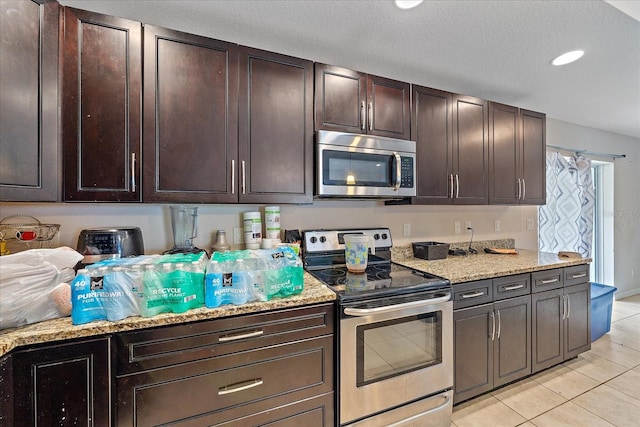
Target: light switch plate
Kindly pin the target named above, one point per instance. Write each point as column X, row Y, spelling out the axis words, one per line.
column 529, row 224
column 458, row 227
column 237, row 235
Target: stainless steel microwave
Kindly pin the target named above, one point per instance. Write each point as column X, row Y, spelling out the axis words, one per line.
column 351, row 166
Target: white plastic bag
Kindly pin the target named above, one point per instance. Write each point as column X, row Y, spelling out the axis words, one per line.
column 27, row 283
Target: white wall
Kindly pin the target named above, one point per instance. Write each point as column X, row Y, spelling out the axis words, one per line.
column 626, row 212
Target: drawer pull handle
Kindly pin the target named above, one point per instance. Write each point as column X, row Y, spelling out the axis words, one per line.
column 546, row 282
column 473, row 295
column 245, row 385
column 577, row 276
column 233, row 337
column 513, row 287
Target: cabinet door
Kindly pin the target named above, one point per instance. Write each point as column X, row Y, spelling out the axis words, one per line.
column 190, row 118
column 101, row 107
column 577, row 330
column 431, row 129
column 504, row 155
column 470, row 150
column 276, row 128
column 29, row 101
column 512, row 352
column 533, row 142
column 340, row 100
column 388, row 108
column 547, row 335
column 65, row 384
column 473, row 351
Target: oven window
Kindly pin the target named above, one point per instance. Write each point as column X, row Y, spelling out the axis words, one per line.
column 394, row 347
column 345, row 168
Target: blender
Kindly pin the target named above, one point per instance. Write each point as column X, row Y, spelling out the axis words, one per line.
column 184, row 223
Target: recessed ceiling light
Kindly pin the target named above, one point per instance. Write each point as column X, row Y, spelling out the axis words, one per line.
column 408, row 4
column 567, row 58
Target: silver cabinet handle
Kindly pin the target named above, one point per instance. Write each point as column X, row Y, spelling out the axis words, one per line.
column 568, row 306
column 546, row 282
column 398, row 171
column 519, row 188
column 233, row 177
column 363, row 119
column 244, row 179
column 493, row 325
column 457, row 186
column 577, row 276
column 447, row 400
column 564, row 307
column 133, row 172
column 513, row 287
column 242, row 335
column 473, row 295
column 371, row 116
column 524, row 189
column 351, row 311
column 245, row 385
column 499, row 323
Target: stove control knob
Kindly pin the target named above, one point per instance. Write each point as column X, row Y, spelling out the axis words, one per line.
column 384, row 236
column 313, row 239
column 376, row 236
column 323, row 239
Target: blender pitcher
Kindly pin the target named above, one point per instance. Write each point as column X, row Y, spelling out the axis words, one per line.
column 184, row 223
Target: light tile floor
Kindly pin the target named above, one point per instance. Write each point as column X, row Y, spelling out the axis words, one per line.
column 600, row 387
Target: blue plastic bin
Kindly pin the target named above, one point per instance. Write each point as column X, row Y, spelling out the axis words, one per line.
column 601, row 305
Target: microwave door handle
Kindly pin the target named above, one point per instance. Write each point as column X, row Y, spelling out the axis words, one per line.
column 398, row 171
column 350, row 311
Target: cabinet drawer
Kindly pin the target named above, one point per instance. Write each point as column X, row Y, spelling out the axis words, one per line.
column 472, row 293
column 206, row 388
column 153, row 348
column 546, row 280
column 576, row 274
column 511, row 286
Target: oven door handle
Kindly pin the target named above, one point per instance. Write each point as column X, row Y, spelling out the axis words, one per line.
column 350, row 311
column 447, row 400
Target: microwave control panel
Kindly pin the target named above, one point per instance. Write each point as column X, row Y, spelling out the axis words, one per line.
column 406, row 172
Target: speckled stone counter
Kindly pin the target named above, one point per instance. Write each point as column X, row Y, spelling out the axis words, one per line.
column 460, row 269
column 62, row 329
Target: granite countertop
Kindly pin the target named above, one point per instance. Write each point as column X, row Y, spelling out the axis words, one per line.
column 62, row 328
column 466, row 268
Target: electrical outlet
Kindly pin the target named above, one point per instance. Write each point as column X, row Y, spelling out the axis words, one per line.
column 458, row 227
column 237, row 235
column 467, row 224
column 406, row 229
column 496, row 225
column 529, row 224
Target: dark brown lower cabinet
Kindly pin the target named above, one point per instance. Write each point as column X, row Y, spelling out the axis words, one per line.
column 62, row 385
column 561, row 327
column 271, row 368
column 492, row 346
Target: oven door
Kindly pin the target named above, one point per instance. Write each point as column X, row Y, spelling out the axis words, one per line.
column 394, row 351
column 364, row 172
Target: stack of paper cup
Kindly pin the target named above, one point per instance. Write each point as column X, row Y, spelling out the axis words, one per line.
column 272, row 222
column 252, row 229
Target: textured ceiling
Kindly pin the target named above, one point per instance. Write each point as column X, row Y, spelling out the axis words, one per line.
column 497, row 50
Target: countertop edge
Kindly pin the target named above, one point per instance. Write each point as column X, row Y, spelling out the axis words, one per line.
column 62, row 329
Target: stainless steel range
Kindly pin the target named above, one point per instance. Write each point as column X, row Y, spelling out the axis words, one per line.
column 395, row 334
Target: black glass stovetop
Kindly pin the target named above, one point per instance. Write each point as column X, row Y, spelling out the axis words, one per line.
column 382, row 277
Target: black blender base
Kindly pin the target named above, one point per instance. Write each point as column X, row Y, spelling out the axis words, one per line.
column 193, row 250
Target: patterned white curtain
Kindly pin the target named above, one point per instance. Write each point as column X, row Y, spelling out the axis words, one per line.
column 566, row 221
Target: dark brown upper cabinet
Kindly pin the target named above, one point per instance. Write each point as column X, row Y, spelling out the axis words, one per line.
column 29, row 123
column 350, row 101
column 470, row 174
column 275, row 128
column 451, row 136
column 516, row 156
column 190, row 118
column 101, row 105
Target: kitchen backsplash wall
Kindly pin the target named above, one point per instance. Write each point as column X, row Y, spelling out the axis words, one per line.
column 426, row 223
